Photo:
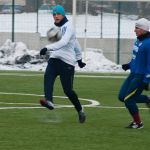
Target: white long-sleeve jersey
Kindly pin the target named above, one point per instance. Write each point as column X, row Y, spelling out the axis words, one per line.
column 68, row 48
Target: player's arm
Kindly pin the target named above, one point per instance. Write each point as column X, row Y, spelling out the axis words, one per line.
column 78, row 53
column 147, row 74
column 66, row 35
column 78, row 50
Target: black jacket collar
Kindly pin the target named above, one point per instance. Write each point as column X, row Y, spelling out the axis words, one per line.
column 62, row 22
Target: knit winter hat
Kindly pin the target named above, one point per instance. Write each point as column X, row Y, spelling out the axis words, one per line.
column 58, row 9
column 143, row 24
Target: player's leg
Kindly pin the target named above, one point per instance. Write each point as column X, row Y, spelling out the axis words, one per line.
column 67, row 77
column 49, row 79
column 133, row 92
column 124, row 88
column 143, row 98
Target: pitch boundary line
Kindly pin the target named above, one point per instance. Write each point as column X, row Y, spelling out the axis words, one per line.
column 78, row 76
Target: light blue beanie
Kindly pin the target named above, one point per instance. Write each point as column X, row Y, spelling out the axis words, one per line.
column 58, row 9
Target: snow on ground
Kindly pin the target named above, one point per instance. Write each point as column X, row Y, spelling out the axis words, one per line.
column 16, row 56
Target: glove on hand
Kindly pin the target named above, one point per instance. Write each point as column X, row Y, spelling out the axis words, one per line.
column 125, row 67
column 43, row 51
column 81, row 64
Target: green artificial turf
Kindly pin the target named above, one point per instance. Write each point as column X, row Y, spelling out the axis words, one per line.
column 31, row 127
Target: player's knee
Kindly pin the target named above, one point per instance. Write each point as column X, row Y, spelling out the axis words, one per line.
column 121, row 97
column 69, row 93
column 131, row 106
column 128, row 104
column 46, row 74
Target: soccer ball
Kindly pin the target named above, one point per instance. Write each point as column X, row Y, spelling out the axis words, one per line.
column 54, row 34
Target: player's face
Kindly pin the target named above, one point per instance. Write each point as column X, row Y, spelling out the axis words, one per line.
column 57, row 17
column 139, row 31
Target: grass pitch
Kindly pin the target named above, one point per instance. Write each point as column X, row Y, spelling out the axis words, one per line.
column 25, row 126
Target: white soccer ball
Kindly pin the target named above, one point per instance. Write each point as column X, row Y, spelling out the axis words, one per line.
column 54, row 34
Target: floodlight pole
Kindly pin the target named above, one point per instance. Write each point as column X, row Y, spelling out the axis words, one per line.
column 74, row 13
column 85, row 30
column 101, row 34
column 13, row 20
column 37, row 17
column 118, row 38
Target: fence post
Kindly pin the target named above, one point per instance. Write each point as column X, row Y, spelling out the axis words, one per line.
column 37, row 17
column 13, row 21
column 118, row 38
column 74, row 13
column 85, row 30
column 101, row 20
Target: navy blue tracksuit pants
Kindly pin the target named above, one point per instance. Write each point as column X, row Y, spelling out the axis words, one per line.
column 130, row 92
column 57, row 67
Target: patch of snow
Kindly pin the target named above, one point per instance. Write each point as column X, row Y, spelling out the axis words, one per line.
column 16, row 56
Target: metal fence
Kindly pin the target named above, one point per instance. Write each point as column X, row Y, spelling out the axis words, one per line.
column 103, row 21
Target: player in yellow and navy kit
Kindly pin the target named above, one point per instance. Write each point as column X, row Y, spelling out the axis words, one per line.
column 139, row 77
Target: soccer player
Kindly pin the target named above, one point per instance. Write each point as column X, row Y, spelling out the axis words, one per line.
column 139, row 77
column 64, row 55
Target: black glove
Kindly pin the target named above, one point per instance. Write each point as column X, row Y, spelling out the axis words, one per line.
column 125, row 67
column 43, row 51
column 146, row 86
column 81, row 64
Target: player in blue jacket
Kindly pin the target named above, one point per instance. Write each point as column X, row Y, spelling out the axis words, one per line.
column 65, row 53
column 139, row 77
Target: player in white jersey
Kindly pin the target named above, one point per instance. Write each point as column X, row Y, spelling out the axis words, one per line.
column 64, row 55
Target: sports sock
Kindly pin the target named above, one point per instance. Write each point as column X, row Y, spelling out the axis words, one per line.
column 136, row 118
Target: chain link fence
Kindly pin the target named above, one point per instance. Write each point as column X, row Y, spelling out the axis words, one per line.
column 106, row 25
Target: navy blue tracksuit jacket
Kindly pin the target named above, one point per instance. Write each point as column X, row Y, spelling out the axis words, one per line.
column 132, row 88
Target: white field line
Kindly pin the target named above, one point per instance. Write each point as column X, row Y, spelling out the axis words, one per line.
column 65, row 106
column 92, row 103
column 4, row 108
column 115, row 107
column 107, row 77
column 20, row 74
column 78, row 76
